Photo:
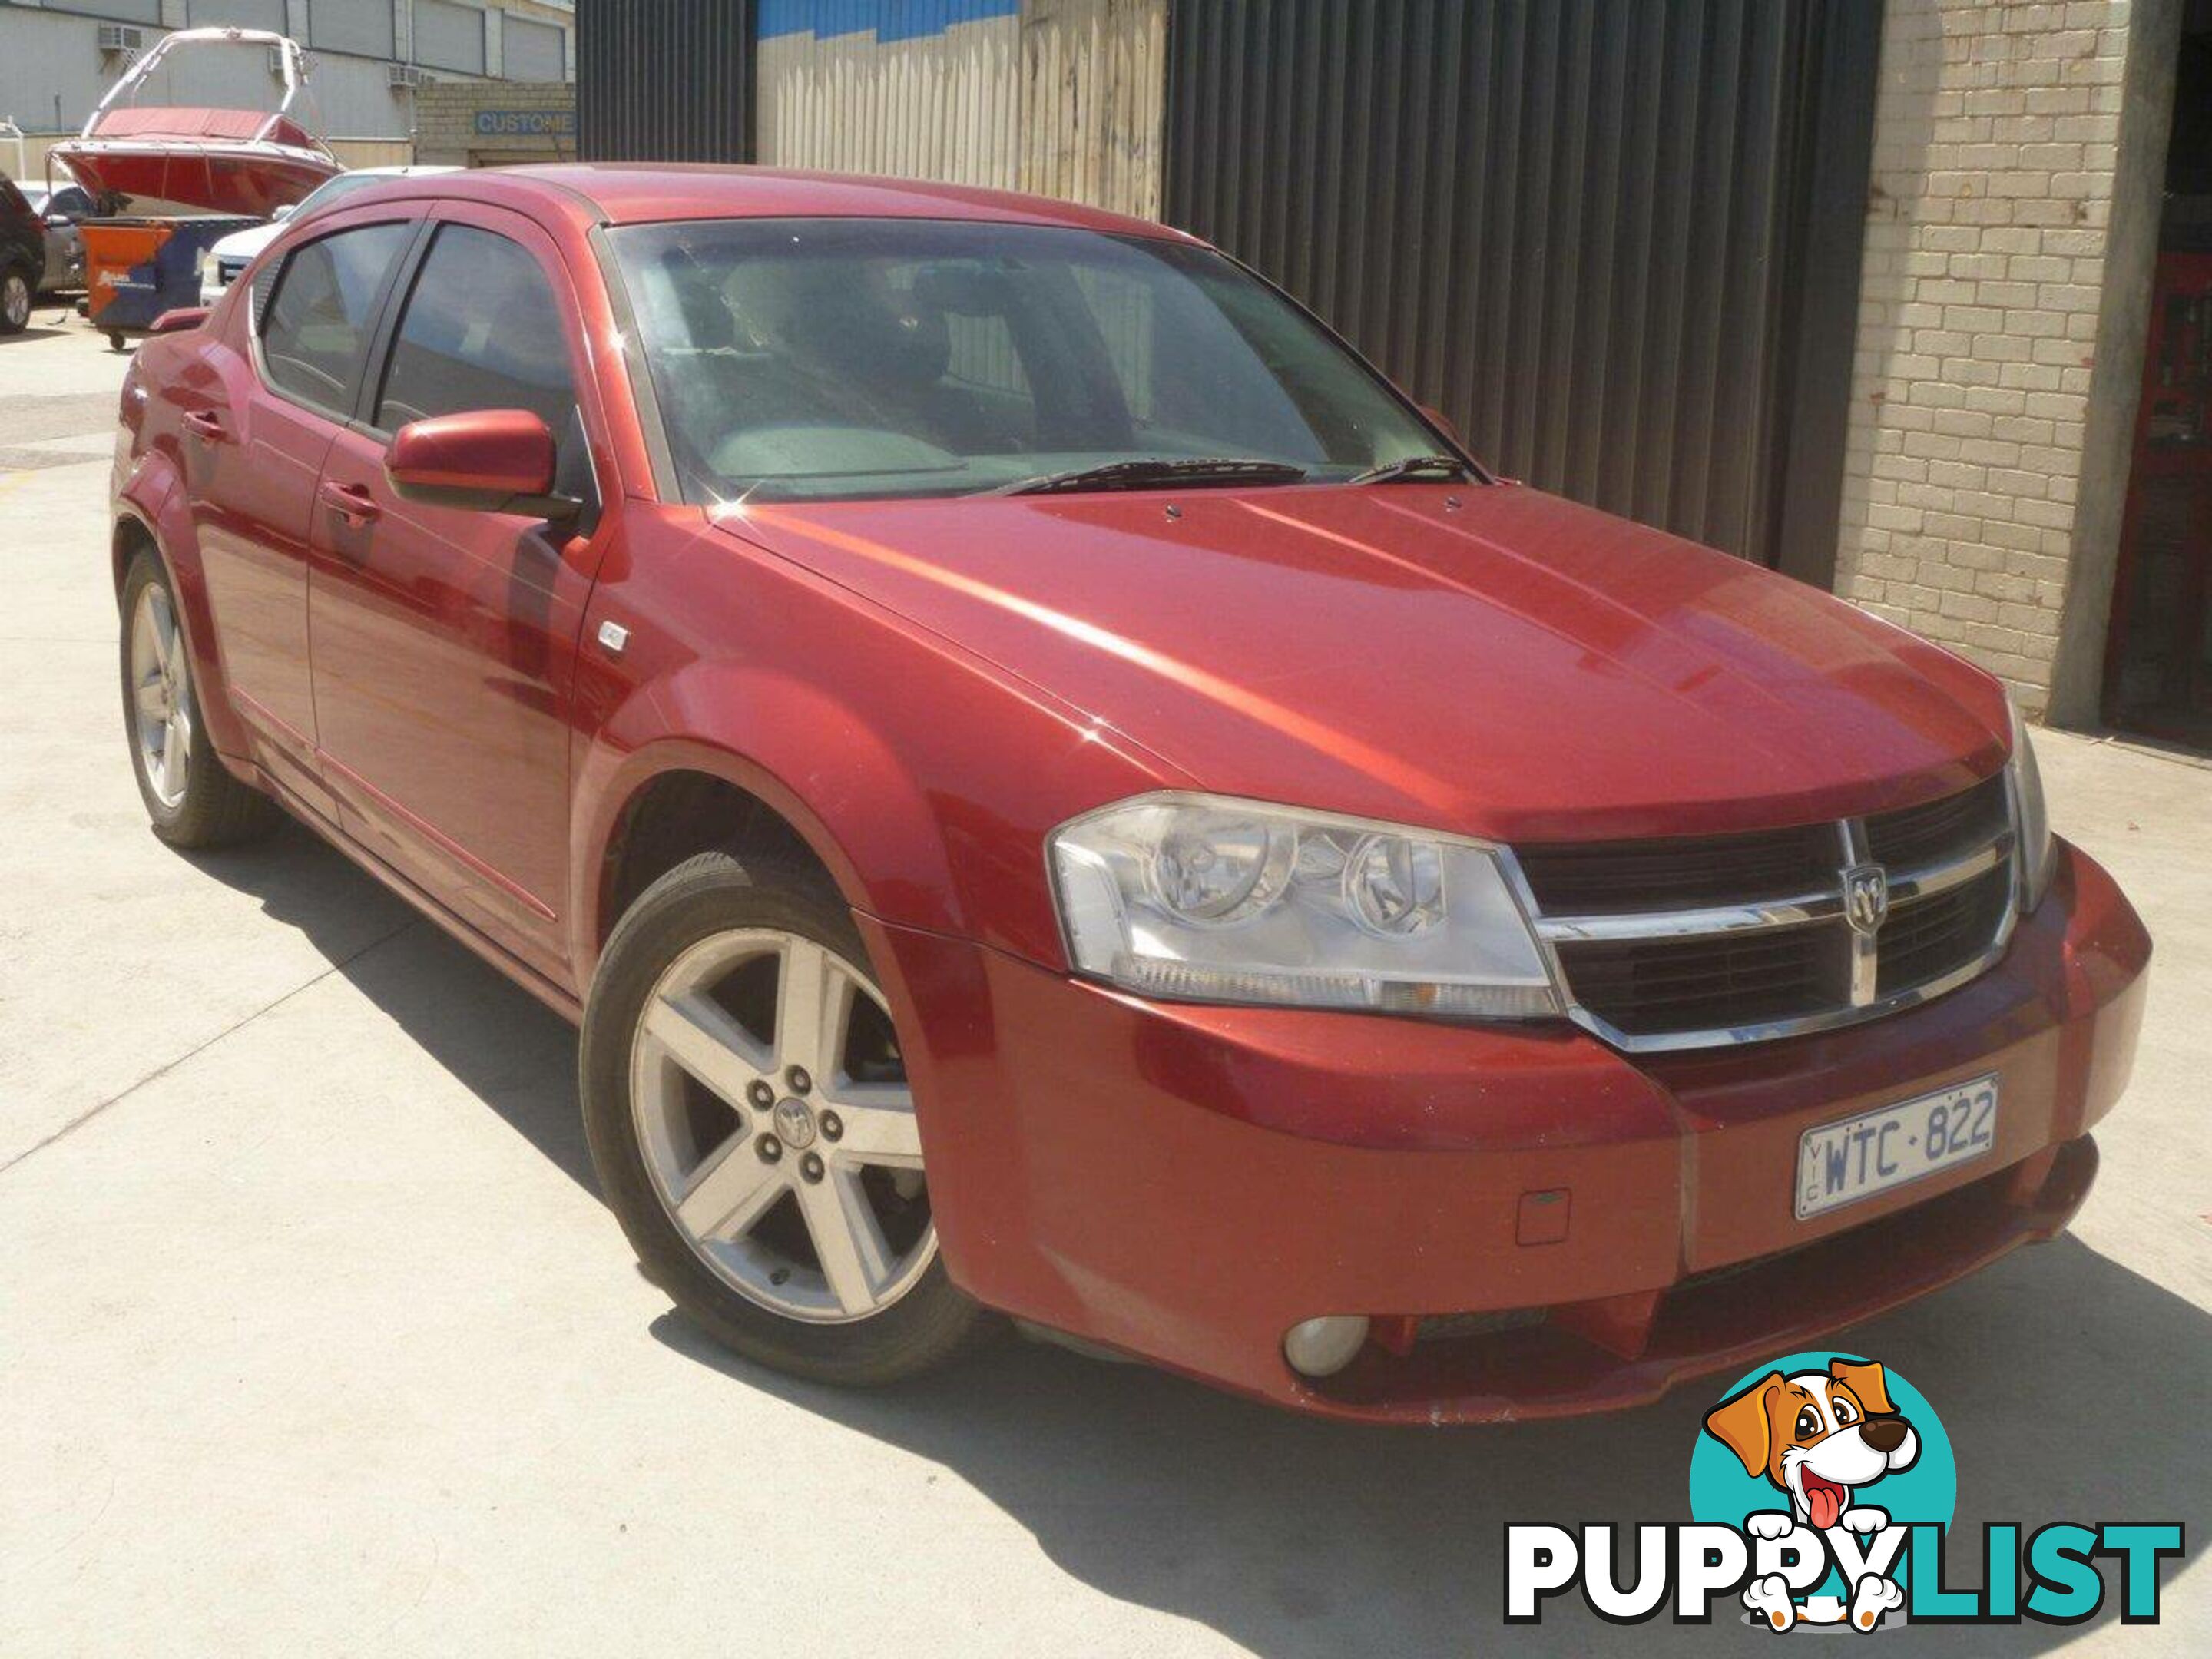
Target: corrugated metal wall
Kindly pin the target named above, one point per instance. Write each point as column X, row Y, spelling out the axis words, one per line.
column 1063, row 97
column 664, row 80
column 1094, row 101
column 915, row 89
column 1584, row 229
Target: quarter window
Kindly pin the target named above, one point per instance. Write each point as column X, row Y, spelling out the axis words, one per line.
column 318, row 321
column 482, row 331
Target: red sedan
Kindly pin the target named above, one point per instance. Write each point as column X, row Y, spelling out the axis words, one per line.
column 1053, row 790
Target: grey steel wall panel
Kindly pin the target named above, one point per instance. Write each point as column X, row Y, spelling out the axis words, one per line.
column 664, row 80
column 125, row 11
column 532, row 52
column 449, row 37
column 1584, row 229
column 268, row 14
column 351, row 26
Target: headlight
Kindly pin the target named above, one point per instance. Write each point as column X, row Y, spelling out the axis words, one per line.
column 2037, row 852
column 1207, row 899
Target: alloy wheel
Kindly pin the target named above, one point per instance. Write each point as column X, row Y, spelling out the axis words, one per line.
column 160, row 695
column 771, row 1106
column 16, row 300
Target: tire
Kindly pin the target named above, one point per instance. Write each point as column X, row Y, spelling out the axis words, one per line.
column 207, row 807
column 705, row 964
column 17, row 293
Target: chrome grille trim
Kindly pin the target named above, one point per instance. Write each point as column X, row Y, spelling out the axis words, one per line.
column 1826, row 906
column 1791, row 912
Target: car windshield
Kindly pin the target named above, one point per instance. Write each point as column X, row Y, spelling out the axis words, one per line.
column 826, row 359
column 330, row 189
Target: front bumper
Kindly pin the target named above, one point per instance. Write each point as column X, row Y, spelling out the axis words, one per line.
column 1540, row 1226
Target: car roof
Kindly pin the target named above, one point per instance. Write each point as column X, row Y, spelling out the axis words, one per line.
column 623, row 193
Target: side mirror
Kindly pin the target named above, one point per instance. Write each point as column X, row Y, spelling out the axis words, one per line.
column 283, row 213
column 178, row 320
column 1442, row 422
column 490, row 460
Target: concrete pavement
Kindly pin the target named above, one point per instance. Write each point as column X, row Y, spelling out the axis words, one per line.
column 314, row 1340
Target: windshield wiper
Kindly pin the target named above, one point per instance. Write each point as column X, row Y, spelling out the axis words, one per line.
column 1414, row 466
column 1145, row 474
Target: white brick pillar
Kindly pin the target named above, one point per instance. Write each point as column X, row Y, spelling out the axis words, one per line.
column 1997, row 135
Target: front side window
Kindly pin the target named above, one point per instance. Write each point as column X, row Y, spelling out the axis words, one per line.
column 482, row 331
column 830, row 359
column 316, row 326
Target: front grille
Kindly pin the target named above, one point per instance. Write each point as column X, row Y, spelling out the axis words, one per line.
column 1648, row 986
column 1573, row 879
column 227, row 271
column 1922, row 835
column 1928, row 937
column 1679, row 943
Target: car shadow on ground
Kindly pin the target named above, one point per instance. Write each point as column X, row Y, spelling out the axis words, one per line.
column 2072, row 1389
column 1303, row 1540
column 502, row 1044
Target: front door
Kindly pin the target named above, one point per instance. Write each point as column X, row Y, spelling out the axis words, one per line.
column 444, row 639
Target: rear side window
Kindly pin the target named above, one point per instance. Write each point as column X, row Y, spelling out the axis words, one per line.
column 482, row 331
column 316, row 326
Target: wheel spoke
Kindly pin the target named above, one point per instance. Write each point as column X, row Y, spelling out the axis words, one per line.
column 707, row 1042
column 165, row 627
column 878, row 1125
column 855, row 1258
column 730, row 1192
column 176, row 754
column 152, row 702
column 814, row 1000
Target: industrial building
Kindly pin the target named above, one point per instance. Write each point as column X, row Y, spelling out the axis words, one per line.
column 372, row 61
column 1862, row 290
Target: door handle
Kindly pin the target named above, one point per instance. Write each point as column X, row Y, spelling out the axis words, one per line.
column 351, row 503
column 205, row 427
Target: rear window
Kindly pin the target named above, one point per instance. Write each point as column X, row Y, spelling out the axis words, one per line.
column 315, row 329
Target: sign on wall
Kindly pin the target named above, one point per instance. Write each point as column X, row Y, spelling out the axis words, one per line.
column 525, row 124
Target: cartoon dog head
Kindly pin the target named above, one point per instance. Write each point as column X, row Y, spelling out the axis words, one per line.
column 1817, row 1435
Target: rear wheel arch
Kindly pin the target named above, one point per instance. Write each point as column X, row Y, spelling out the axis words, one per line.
column 132, row 537
column 136, row 529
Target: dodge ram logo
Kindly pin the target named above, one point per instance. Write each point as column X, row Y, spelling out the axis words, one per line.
column 1866, row 896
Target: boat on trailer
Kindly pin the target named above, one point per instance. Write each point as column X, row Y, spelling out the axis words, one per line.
column 243, row 161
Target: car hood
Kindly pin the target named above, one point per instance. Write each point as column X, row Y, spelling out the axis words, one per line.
column 244, row 244
column 1488, row 660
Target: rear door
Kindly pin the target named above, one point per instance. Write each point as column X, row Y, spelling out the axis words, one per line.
column 445, row 639
column 254, row 442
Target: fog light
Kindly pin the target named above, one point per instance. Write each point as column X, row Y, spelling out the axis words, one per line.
column 1322, row 1347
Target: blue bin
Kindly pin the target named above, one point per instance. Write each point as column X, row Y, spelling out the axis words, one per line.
column 135, row 268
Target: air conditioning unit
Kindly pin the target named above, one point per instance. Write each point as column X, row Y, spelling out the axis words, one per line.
column 121, row 36
column 404, row 75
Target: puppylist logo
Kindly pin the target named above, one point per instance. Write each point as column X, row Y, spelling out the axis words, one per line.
column 1822, row 1487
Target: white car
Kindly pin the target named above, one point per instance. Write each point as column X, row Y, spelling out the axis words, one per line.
column 220, row 263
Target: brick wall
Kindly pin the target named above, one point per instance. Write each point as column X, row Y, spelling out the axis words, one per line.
column 445, row 116
column 1996, row 134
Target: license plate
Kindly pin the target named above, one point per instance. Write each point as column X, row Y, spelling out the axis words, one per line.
column 1840, row 1163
